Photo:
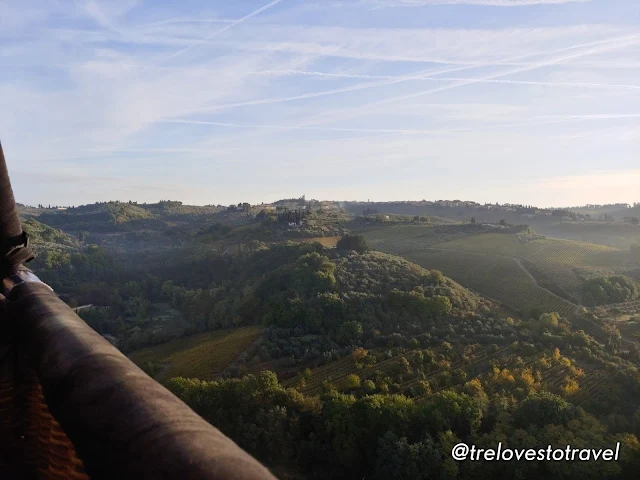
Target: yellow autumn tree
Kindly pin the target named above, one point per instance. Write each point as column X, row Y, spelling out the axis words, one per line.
column 526, row 379
column 570, row 387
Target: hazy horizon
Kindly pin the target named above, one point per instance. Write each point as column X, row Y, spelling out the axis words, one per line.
column 339, row 201
column 509, row 101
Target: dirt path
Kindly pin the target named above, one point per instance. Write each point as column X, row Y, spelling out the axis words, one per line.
column 535, row 282
column 625, row 341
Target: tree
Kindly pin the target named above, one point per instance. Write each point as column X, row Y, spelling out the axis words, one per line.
column 369, row 386
column 535, row 313
column 416, row 303
column 349, row 332
column 359, row 354
column 613, row 337
column 353, row 242
column 616, row 312
column 453, row 411
column 543, row 409
column 397, row 459
column 549, row 321
column 136, row 307
column 422, row 387
column 604, row 290
column 352, row 382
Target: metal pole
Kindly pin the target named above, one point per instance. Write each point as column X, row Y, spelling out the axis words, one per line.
column 10, row 227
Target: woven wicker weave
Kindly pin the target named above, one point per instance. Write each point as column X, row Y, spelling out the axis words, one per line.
column 32, row 443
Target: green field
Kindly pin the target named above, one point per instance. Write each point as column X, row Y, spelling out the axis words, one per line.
column 324, row 241
column 554, row 261
column 401, row 239
column 499, row 278
column 199, row 356
column 520, row 271
column 565, row 251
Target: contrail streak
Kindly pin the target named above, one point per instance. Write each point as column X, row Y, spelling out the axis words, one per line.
column 429, row 77
column 605, row 46
column 288, row 127
column 493, row 3
column 356, row 113
column 533, row 121
column 455, row 79
column 415, row 76
column 544, row 84
column 352, row 88
column 219, row 32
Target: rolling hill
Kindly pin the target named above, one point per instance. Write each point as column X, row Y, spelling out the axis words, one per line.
column 522, row 270
column 553, row 262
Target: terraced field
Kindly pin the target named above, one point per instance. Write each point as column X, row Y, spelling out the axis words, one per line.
column 200, row 356
column 479, row 362
column 499, row 278
column 596, row 385
column 336, row 371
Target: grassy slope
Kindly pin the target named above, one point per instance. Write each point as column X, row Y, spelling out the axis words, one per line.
column 616, row 235
column 557, row 258
column 401, row 239
column 565, row 251
column 41, row 235
column 485, row 262
column 499, row 278
column 324, row 241
column 199, row 356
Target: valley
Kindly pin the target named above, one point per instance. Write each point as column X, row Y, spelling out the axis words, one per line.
column 293, row 324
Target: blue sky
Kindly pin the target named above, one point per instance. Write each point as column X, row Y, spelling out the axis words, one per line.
column 528, row 101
